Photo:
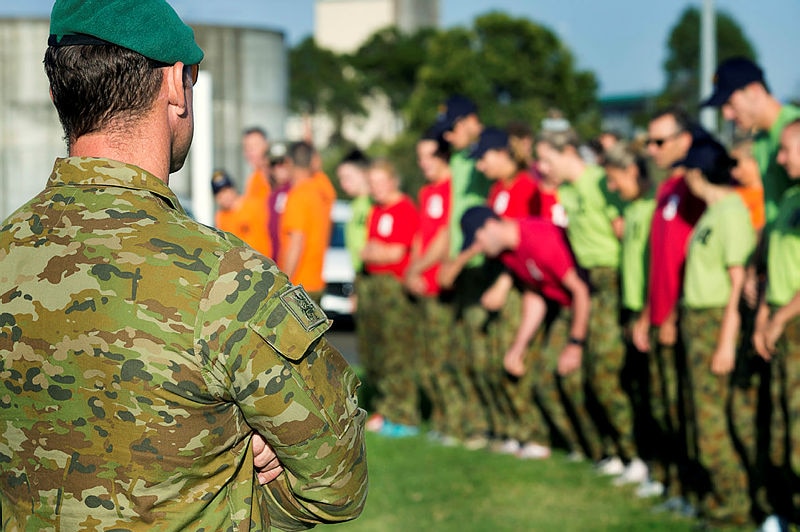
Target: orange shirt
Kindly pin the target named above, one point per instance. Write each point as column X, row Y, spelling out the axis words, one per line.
column 255, row 213
column 322, row 181
column 753, row 198
column 308, row 212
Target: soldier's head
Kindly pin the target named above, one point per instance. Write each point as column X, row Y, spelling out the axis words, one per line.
column 109, row 61
column 669, row 136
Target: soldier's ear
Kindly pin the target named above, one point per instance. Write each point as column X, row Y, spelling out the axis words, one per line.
column 176, row 88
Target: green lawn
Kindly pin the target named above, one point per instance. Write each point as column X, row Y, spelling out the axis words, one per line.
column 416, row 485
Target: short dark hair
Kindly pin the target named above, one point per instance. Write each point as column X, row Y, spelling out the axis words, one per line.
column 301, row 154
column 94, row 86
column 257, row 130
column 682, row 118
column 356, row 157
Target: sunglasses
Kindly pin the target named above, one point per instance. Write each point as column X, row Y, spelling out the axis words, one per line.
column 660, row 142
column 195, row 71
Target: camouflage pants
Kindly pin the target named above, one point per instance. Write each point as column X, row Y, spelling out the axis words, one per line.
column 563, row 398
column 473, row 353
column 437, row 378
column 518, row 414
column 603, row 366
column 367, row 323
column 717, row 478
column 398, row 398
column 784, row 442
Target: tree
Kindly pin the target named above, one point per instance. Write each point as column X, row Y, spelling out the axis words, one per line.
column 512, row 67
column 389, row 61
column 319, row 83
column 682, row 66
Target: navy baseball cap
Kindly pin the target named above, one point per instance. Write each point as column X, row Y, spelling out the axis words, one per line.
column 711, row 158
column 732, row 75
column 472, row 220
column 455, row 108
column 220, row 181
column 491, row 138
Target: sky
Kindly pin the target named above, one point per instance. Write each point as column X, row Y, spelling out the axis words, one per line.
column 622, row 41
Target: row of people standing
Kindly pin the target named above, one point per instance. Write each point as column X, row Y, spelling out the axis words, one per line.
column 621, row 305
column 272, row 214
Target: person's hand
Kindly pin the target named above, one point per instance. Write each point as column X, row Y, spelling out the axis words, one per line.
column 494, row 298
column 415, row 284
column 668, row 332
column 769, row 333
column 265, row 461
column 514, row 361
column 723, row 360
column 760, row 334
column 640, row 333
column 447, row 274
column 570, row 359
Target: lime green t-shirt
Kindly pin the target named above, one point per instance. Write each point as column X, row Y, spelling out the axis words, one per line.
column 355, row 230
column 638, row 215
column 590, row 208
column 783, row 262
column 723, row 237
column 469, row 188
column 765, row 150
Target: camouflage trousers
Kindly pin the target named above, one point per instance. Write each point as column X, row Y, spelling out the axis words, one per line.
column 717, row 479
column 437, row 375
column 604, row 365
column 396, row 355
column 367, row 323
column 518, row 416
column 473, row 351
column 783, row 482
column 562, row 397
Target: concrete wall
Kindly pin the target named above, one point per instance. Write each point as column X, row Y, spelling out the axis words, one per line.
column 249, row 78
column 343, row 25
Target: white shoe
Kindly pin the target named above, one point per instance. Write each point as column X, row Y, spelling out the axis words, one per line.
column 611, row 466
column 635, row 473
column 509, row 446
column 774, row 523
column 575, row 457
column 533, row 451
column 650, row 488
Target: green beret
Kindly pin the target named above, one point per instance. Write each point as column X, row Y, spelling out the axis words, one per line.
column 149, row 27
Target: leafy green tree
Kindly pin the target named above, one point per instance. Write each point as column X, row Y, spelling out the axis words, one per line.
column 320, row 81
column 388, row 62
column 512, row 67
column 682, row 66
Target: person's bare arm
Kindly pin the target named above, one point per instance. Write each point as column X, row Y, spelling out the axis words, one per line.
column 724, row 357
column 534, row 310
column 294, row 250
column 571, row 355
column 771, row 328
column 376, row 252
column 451, row 268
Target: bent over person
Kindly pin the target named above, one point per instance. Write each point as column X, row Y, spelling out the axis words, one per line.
column 145, row 356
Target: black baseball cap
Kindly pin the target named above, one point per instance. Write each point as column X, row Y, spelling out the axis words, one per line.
column 472, row 220
column 491, row 138
column 732, row 75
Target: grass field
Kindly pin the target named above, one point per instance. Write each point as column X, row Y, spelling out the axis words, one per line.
column 418, row 485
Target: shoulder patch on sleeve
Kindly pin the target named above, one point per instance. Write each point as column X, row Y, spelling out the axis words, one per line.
column 297, row 301
column 290, row 322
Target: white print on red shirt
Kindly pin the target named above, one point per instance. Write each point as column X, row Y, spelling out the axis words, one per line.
column 435, row 207
column 385, row 225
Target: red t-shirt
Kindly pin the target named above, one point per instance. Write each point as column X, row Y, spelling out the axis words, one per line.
column 677, row 210
column 517, row 199
column 549, row 208
column 434, row 202
column 542, row 259
column 393, row 224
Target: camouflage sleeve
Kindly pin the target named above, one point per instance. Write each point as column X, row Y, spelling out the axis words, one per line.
column 291, row 386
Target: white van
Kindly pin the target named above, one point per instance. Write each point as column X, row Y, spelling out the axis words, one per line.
column 337, row 269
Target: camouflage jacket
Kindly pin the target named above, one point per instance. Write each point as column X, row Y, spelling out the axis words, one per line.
column 138, row 352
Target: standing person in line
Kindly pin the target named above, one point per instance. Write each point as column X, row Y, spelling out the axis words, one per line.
column 428, row 251
column 255, row 147
column 719, row 250
column 629, row 176
column 352, row 175
column 594, row 227
column 393, row 222
column 471, row 351
column 777, row 339
column 281, row 181
column 655, row 331
column 304, row 237
column 155, row 340
column 555, row 316
column 518, row 426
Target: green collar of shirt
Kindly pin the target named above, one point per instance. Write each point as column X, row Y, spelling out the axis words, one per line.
column 96, row 171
